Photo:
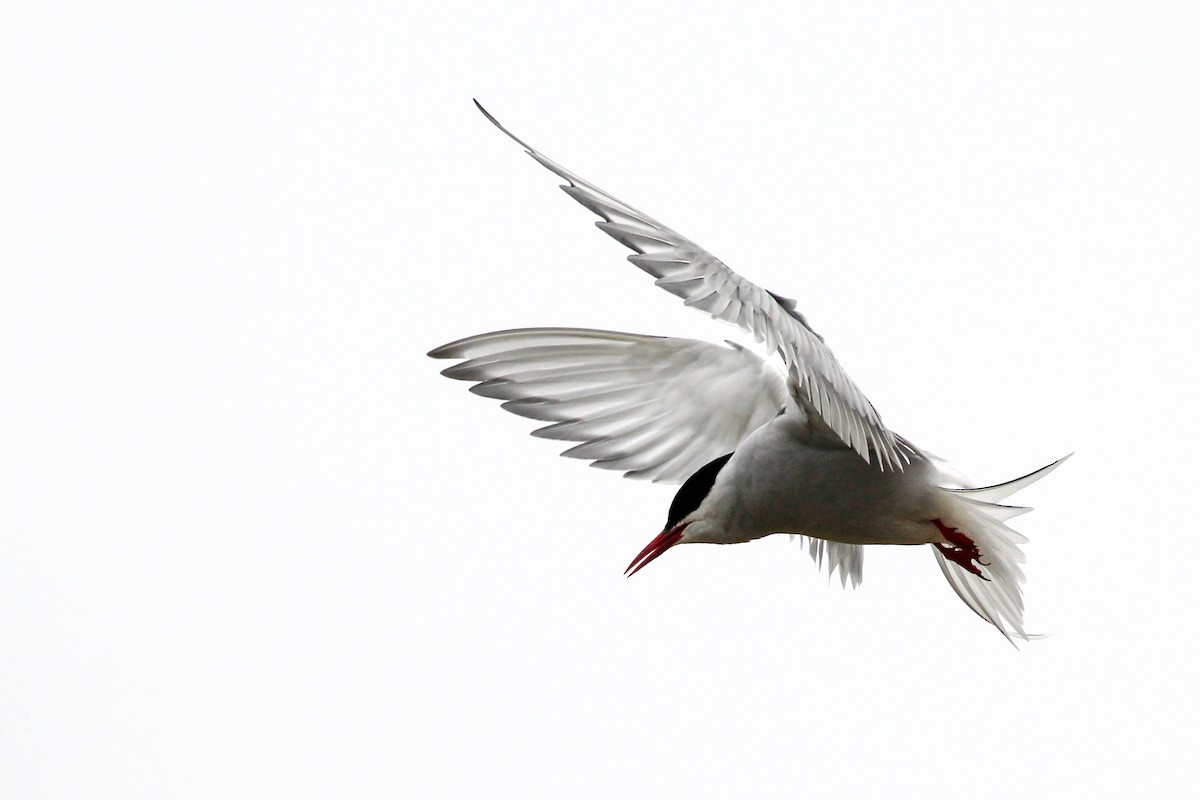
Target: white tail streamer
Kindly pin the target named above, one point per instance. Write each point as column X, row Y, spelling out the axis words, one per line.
column 996, row 594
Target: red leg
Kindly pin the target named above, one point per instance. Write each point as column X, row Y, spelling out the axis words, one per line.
column 962, row 550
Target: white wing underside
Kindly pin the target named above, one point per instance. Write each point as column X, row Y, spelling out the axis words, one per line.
column 688, row 271
column 652, row 406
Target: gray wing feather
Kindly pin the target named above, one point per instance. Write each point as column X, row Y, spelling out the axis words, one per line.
column 845, row 559
column 654, row 407
column 688, row 271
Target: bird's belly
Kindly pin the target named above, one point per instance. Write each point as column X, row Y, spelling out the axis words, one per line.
column 833, row 494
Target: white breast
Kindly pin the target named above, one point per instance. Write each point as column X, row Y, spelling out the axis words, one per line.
column 780, row 481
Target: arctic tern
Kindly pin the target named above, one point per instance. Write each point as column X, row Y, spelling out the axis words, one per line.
column 758, row 450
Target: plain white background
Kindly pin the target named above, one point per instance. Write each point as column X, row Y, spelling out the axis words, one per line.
column 252, row 545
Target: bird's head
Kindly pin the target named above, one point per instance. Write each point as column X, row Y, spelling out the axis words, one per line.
column 684, row 524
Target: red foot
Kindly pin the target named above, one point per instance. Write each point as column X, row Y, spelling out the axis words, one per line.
column 961, row 550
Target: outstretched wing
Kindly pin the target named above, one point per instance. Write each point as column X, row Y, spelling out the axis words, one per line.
column 656, row 407
column 688, row 271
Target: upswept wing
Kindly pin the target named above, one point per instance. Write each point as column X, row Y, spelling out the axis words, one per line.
column 655, row 407
column 688, row 271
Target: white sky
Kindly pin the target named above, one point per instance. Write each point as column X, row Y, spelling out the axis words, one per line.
column 252, row 545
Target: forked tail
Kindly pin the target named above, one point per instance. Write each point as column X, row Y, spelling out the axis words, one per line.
column 989, row 579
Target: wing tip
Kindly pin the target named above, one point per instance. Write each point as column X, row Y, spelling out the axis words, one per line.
column 496, row 122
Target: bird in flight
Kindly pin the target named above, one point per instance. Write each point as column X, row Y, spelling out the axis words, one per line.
column 758, row 449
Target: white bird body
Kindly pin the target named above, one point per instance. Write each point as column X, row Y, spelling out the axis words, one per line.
column 780, row 481
column 758, row 452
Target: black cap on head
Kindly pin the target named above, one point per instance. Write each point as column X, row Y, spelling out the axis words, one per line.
column 694, row 490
